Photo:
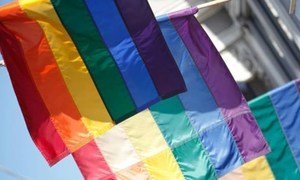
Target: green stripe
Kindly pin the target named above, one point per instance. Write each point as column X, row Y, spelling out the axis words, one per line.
column 193, row 161
column 107, row 78
column 183, row 140
column 281, row 159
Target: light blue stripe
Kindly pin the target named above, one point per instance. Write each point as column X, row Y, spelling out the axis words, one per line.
column 286, row 101
column 221, row 147
column 200, row 106
column 114, row 33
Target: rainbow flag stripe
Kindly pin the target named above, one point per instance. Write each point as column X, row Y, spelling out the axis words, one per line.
column 203, row 133
column 83, row 77
column 278, row 116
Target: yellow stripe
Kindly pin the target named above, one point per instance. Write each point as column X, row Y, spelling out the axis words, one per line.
column 258, row 169
column 81, row 87
column 151, row 146
column 163, row 166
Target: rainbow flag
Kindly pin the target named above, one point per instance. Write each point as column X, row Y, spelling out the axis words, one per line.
column 278, row 116
column 203, row 133
column 78, row 67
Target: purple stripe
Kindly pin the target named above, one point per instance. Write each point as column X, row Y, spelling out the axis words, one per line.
column 152, row 47
column 226, row 93
column 248, row 137
column 298, row 84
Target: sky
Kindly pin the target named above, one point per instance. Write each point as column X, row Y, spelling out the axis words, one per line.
column 19, row 157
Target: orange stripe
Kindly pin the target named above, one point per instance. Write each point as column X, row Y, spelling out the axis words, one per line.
column 94, row 114
column 47, row 77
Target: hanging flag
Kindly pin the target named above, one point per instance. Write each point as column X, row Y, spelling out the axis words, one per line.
column 203, row 133
column 76, row 70
column 278, row 116
column 37, row 117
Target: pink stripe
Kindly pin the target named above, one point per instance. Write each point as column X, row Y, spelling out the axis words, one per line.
column 92, row 163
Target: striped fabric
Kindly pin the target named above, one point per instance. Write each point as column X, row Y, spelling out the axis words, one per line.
column 278, row 116
column 78, row 67
column 201, row 134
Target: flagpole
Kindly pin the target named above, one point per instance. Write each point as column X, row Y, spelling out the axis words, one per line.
column 212, row 3
column 292, row 7
column 2, row 64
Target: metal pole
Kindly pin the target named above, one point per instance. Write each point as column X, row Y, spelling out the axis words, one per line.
column 212, row 3
column 293, row 7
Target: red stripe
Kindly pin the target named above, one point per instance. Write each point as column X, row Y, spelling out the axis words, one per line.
column 92, row 163
column 48, row 79
column 34, row 111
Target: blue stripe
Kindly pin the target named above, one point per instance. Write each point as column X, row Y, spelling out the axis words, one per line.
column 114, row 33
column 221, row 147
column 201, row 107
column 197, row 101
column 286, row 101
